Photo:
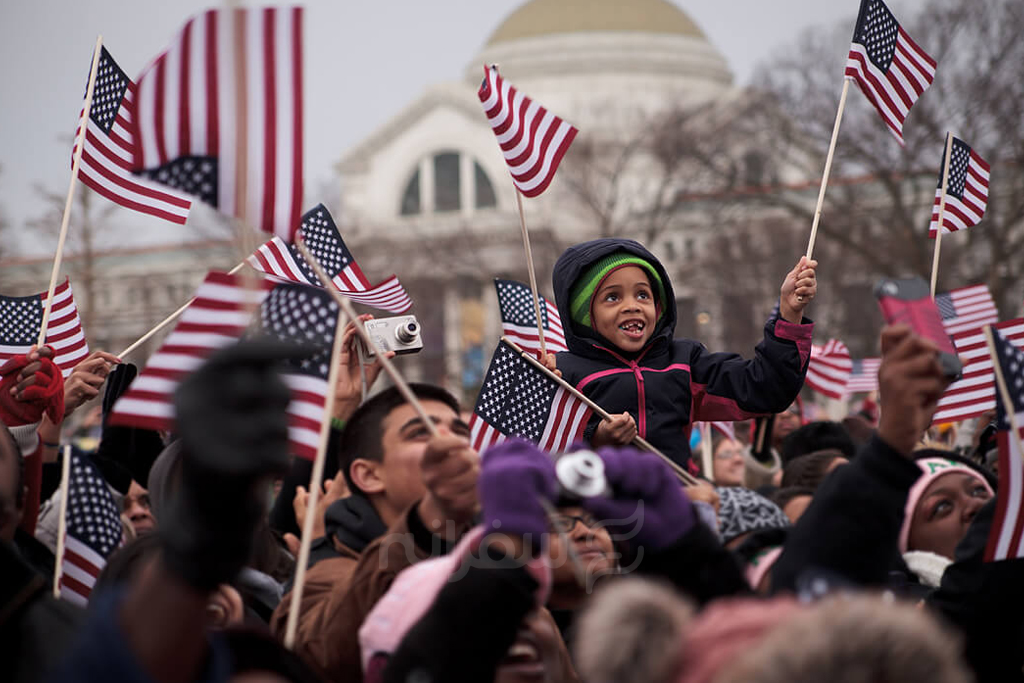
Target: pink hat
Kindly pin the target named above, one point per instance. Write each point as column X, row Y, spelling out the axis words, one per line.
column 414, row 591
column 760, row 565
column 933, row 469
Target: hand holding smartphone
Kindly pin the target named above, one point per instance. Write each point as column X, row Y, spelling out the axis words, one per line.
column 909, row 301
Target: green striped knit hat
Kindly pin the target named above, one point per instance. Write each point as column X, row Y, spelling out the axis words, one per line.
column 582, row 291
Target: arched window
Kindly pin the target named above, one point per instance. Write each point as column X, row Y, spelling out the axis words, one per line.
column 447, row 181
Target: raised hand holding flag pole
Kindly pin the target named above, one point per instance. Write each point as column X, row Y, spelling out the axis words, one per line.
column 533, row 142
column 892, row 72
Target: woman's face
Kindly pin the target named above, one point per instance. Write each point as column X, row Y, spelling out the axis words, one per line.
column 535, row 654
column 945, row 511
column 728, row 463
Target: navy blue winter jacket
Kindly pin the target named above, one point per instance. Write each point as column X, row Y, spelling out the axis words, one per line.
column 672, row 382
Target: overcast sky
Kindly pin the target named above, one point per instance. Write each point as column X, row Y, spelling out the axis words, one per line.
column 364, row 61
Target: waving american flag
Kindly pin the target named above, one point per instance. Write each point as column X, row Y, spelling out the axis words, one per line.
column 890, row 68
column 966, row 190
column 519, row 319
column 283, row 260
column 517, row 399
column 829, row 369
column 1004, row 540
column 21, row 316
column 532, row 139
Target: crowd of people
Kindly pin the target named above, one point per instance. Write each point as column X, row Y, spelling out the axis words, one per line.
column 843, row 551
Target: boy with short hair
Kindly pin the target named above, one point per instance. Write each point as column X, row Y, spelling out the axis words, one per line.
column 618, row 311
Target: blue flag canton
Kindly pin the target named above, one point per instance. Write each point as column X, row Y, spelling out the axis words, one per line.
column 108, row 93
column 323, row 240
column 1011, row 361
column 516, row 303
column 301, row 315
column 946, row 307
column 877, row 30
column 195, row 175
column 958, row 163
column 516, row 398
column 93, row 517
column 20, row 320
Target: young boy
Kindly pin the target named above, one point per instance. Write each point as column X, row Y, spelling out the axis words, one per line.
column 618, row 311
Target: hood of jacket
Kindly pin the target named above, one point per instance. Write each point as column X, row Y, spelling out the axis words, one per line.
column 573, row 261
column 354, row 522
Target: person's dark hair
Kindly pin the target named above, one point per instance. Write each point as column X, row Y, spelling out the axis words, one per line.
column 255, row 650
column 124, row 564
column 808, row 471
column 817, row 436
column 759, row 540
column 363, row 433
column 783, row 496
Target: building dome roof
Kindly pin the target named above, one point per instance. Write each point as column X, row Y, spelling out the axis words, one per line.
column 546, row 17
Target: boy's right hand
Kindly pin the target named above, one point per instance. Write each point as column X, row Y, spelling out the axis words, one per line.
column 548, row 360
column 618, row 430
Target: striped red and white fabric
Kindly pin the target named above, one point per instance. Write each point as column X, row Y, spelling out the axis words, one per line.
column 518, row 400
column 975, row 392
column 966, row 190
column 20, row 318
column 1005, row 536
column 967, row 308
column 519, row 319
column 532, row 139
column 829, row 369
column 863, row 376
column 107, row 165
column 323, row 240
column 890, row 68
column 93, row 530
column 725, row 428
column 220, row 314
column 219, row 114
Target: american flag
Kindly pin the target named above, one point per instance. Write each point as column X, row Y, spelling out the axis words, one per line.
column 975, row 392
column 532, row 139
column 1004, row 541
column 863, row 376
column 517, row 399
column 966, row 190
column 725, row 428
column 219, row 115
column 21, row 317
column 108, row 153
column 829, row 369
column 519, row 320
column 284, row 261
column 93, row 530
column 890, row 68
column 967, row 308
column 221, row 314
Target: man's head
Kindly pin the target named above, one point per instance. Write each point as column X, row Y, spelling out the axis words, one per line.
column 383, row 443
column 817, row 436
column 12, row 485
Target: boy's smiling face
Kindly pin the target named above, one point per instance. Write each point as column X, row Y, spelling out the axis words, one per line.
column 623, row 309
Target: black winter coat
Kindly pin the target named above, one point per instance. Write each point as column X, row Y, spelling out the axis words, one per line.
column 671, row 383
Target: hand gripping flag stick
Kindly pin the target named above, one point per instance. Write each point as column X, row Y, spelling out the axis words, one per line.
column 683, row 475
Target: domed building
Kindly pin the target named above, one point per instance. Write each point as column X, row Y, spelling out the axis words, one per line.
column 428, row 194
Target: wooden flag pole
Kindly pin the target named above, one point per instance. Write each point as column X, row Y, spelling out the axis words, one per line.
column 1004, row 391
column 62, row 521
column 828, row 167
column 314, row 485
column 762, row 430
column 533, row 275
column 168, row 320
column 75, row 165
column 707, row 454
column 942, row 211
column 685, row 476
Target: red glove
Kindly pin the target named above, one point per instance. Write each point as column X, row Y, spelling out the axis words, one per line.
column 45, row 393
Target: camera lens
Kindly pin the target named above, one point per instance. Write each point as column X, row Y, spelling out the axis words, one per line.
column 407, row 332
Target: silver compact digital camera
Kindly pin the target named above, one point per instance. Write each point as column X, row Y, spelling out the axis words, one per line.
column 400, row 334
